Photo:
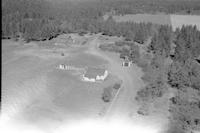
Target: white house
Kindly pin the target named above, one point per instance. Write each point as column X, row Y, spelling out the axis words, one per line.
column 95, row 74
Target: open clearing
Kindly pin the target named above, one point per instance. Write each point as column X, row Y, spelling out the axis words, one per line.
column 31, row 84
column 35, row 92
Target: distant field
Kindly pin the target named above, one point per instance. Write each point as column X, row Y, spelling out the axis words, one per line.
column 174, row 20
column 179, row 20
column 156, row 19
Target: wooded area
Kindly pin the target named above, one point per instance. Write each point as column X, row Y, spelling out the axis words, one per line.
column 182, row 74
column 41, row 20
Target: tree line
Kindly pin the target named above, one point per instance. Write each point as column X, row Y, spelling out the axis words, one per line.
column 182, row 74
column 28, row 19
column 41, row 20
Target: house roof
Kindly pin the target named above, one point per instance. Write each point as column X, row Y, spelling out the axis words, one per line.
column 93, row 72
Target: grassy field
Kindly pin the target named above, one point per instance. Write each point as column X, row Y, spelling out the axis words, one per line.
column 35, row 92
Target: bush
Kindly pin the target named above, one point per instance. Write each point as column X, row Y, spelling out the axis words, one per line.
column 62, row 54
column 107, row 94
column 152, row 91
column 117, row 86
column 185, row 111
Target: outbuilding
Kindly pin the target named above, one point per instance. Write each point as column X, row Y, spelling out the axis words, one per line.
column 126, row 62
column 61, row 66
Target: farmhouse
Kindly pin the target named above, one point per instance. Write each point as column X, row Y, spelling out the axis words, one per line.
column 95, row 74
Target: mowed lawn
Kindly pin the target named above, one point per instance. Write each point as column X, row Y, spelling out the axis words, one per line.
column 34, row 90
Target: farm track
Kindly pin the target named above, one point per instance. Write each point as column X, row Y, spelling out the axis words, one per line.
column 123, row 98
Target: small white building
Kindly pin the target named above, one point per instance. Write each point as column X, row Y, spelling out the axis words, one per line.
column 126, row 62
column 95, row 74
column 61, row 66
column 69, row 68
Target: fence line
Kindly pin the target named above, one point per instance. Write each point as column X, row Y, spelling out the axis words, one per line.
column 69, row 67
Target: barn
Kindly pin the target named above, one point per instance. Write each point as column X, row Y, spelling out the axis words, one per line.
column 95, row 74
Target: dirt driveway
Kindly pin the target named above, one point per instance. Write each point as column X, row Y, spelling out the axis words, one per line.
column 123, row 101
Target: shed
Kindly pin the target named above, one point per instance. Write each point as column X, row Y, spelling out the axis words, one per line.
column 126, row 62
